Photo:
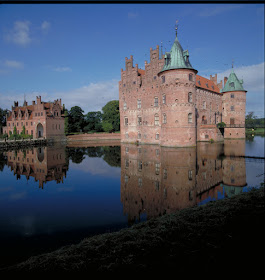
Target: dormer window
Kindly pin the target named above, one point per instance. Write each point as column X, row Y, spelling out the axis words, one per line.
column 232, row 84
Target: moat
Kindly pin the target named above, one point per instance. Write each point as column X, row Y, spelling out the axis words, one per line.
column 57, row 195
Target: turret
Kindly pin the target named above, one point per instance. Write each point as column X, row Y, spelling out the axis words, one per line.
column 234, row 107
column 178, row 90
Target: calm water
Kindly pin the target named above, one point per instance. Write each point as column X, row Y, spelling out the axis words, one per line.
column 54, row 196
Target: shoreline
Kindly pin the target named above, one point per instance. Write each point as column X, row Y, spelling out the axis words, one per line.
column 202, row 237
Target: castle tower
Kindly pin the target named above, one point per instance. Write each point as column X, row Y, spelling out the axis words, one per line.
column 234, row 107
column 177, row 93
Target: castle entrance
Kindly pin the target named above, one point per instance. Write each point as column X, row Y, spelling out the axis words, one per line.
column 39, row 130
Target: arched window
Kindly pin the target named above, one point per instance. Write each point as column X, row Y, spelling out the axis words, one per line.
column 190, row 77
column 156, row 119
column 164, row 118
column 190, row 97
column 190, row 118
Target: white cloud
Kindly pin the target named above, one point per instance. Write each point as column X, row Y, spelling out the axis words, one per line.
column 217, row 9
column 90, row 98
column 45, row 26
column 62, row 69
column 20, row 34
column 97, row 166
column 252, row 75
column 14, row 64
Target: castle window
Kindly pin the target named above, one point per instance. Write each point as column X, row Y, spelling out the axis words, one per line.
column 31, row 132
column 125, row 121
column 157, row 136
column 139, row 135
column 163, row 79
column 232, row 108
column 204, row 105
column 126, row 135
column 232, row 121
column 140, row 165
column 156, row 102
column 26, row 123
column 154, row 77
column 232, row 95
column 190, row 118
column 164, row 99
column 41, row 113
column 232, row 84
column 139, row 120
column 190, row 174
column 126, row 163
column 30, row 123
column 139, row 104
column 126, row 150
column 190, row 77
column 124, row 106
column 126, row 179
column 204, row 120
column 157, row 168
column 38, row 114
column 164, row 118
column 140, row 182
column 134, row 82
column 190, row 97
column 156, row 119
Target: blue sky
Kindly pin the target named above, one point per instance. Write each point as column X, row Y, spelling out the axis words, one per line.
column 76, row 51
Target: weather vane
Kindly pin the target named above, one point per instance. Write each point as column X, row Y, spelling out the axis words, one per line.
column 232, row 63
column 176, row 27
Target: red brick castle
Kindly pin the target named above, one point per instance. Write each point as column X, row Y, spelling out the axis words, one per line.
column 170, row 105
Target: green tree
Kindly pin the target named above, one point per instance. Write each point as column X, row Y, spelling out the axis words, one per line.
column 111, row 115
column 107, row 127
column 66, row 122
column 75, row 119
column 2, row 118
column 93, row 121
column 250, row 119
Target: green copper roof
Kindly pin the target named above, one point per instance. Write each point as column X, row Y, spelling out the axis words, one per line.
column 176, row 58
column 233, row 84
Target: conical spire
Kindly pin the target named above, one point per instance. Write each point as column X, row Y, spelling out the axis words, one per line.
column 233, row 83
column 176, row 58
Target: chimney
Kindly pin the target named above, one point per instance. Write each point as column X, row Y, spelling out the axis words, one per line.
column 33, row 102
column 225, row 80
column 15, row 104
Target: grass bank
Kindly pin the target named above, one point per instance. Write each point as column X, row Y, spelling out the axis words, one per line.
column 219, row 236
column 257, row 131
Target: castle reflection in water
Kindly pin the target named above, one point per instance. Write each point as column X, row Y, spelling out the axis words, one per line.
column 44, row 164
column 157, row 180
column 154, row 180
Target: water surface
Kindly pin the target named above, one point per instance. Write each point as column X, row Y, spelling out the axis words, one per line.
column 54, row 196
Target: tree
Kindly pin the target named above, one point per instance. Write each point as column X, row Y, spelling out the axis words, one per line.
column 66, row 122
column 107, row 127
column 111, row 115
column 250, row 119
column 3, row 114
column 75, row 119
column 93, row 121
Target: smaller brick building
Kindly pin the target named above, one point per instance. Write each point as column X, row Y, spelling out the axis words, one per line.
column 41, row 119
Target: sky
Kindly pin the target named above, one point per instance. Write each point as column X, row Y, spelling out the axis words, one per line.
column 76, row 51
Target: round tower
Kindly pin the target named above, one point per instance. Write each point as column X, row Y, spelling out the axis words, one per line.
column 177, row 88
column 234, row 107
